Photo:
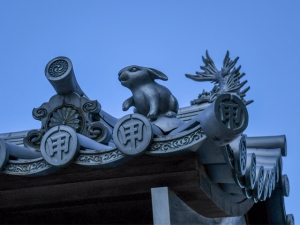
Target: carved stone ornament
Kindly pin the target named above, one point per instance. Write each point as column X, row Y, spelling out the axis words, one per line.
column 60, row 146
column 225, row 119
column 97, row 159
column 259, row 184
column 98, row 132
column 148, row 97
column 35, row 167
column 250, row 174
column 239, row 149
column 58, row 68
column 184, row 141
column 71, row 110
column 66, row 116
column 70, row 107
column 74, row 129
column 285, row 185
column 232, row 114
column 133, row 134
column 33, row 139
column 227, row 80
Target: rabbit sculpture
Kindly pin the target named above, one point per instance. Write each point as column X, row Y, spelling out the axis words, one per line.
column 148, row 97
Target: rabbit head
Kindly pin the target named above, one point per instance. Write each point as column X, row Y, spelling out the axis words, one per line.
column 133, row 76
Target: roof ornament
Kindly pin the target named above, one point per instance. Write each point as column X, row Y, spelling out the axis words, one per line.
column 227, row 80
column 149, row 98
column 74, row 129
column 70, row 107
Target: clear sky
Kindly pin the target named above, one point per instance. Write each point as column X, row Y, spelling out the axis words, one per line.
column 102, row 37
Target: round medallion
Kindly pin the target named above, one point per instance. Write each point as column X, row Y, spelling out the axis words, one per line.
column 252, row 170
column 250, row 174
column 59, row 145
column 58, row 68
column 133, row 134
column 285, row 185
column 240, row 156
column 66, row 115
column 260, row 181
column 231, row 113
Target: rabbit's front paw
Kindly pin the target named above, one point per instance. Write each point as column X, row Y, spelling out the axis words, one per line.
column 152, row 115
column 170, row 114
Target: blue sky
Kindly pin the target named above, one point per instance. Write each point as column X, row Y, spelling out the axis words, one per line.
column 102, row 37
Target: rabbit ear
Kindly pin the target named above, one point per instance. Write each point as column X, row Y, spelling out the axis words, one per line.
column 156, row 74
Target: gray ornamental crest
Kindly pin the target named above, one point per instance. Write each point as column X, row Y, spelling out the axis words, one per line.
column 232, row 113
column 59, row 145
column 133, row 134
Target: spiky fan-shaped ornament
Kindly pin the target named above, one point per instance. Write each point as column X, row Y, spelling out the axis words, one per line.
column 227, row 80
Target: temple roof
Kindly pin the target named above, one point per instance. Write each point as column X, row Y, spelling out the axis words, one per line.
column 83, row 156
